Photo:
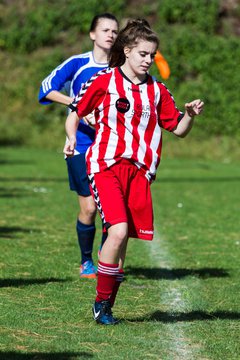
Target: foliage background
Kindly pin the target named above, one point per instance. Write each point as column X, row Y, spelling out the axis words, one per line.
column 199, row 39
column 160, row 298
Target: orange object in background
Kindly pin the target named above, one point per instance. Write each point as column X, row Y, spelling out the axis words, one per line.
column 162, row 65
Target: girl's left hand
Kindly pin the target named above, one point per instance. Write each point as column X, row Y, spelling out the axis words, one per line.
column 195, row 107
column 90, row 119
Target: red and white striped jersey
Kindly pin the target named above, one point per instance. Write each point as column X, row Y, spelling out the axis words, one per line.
column 129, row 119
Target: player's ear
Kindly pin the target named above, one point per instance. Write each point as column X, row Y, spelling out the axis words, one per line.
column 126, row 51
column 92, row 35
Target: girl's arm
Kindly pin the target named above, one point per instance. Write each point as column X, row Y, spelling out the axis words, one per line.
column 71, row 126
column 58, row 97
column 89, row 97
column 52, row 86
column 192, row 109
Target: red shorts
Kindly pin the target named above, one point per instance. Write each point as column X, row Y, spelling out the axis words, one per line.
column 122, row 194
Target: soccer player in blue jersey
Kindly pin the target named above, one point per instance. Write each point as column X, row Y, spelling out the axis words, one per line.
column 69, row 76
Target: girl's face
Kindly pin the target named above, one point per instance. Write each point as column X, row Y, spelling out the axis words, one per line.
column 105, row 33
column 140, row 58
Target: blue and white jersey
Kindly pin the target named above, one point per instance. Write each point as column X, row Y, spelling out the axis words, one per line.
column 70, row 76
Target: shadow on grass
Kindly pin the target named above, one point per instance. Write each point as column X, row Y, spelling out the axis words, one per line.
column 198, row 180
column 174, row 274
column 167, row 317
column 26, row 282
column 6, row 231
column 14, row 192
column 34, row 179
column 12, row 355
column 16, row 162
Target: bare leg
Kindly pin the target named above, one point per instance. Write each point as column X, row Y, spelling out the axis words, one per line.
column 87, row 211
column 115, row 244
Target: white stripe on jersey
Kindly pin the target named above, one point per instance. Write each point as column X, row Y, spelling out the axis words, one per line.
column 141, row 129
column 157, row 133
column 46, row 84
column 154, row 145
column 95, row 148
column 131, row 132
column 88, row 83
column 112, row 121
column 128, row 137
column 91, row 63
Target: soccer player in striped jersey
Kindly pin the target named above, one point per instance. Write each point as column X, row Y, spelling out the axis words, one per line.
column 70, row 76
column 131, row 107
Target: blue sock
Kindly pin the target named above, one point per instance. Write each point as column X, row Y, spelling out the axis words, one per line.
column 85, row 235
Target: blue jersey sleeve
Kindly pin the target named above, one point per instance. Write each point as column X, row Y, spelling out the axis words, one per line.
column 59, row 77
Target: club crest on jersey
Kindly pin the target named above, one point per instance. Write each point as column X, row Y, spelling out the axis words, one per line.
column 122, row 105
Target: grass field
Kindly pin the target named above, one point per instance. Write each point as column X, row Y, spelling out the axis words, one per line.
column 181, row 296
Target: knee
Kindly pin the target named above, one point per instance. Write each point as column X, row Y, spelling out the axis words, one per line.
column 91, row 209
column 118, row 236
column 88, row 211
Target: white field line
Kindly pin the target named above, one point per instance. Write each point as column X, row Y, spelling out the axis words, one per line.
column 162, row 258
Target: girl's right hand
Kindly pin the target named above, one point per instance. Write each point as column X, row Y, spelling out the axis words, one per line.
column 69, row 147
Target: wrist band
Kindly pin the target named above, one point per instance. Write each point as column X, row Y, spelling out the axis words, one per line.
column 72, row 107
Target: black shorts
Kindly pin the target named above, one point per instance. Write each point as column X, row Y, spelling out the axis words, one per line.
column 77, row 174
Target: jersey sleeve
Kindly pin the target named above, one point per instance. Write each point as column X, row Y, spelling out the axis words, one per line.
column 168, row 114
column 57, row 79
column 91, row 94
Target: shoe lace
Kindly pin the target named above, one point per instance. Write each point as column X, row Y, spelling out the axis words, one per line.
column 87, row 265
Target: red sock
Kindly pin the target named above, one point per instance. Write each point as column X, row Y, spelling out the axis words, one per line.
column 106, row 280
column 118, row 281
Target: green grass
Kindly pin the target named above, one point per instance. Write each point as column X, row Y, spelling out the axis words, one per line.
column 180, row 299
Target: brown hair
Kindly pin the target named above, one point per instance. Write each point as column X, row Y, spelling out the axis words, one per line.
column 96, row 19
column 129, row 36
